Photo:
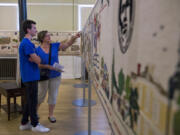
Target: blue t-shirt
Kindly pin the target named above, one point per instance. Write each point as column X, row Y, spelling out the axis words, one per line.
column 54, row 58
column 29, row 70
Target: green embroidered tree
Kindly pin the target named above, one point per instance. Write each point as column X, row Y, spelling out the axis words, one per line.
column 127, row 87
column 120, row 86
column 121, row 82
column 114, row 83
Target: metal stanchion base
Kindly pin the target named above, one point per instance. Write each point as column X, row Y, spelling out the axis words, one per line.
column 83, row 102
column 86, row 133
column 81, row 85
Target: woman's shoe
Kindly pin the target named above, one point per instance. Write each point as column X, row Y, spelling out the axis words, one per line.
column 52, row 119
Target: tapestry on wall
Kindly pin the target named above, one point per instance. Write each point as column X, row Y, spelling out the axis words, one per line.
column 130, row 48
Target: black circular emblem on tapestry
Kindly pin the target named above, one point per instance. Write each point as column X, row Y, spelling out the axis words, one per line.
column 125, row 23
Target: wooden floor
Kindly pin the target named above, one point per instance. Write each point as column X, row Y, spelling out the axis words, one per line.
column 70, row 119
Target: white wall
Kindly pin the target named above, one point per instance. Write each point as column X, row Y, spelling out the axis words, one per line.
column 9, row 17
column 56, row 15
column 72, row 66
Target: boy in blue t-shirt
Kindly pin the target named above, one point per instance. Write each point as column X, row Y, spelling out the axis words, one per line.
column 30, row 75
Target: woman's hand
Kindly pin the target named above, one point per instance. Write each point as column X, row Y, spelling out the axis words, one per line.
column 59, row 70
column 77, row 35
column 51, row 67
column 65, row 45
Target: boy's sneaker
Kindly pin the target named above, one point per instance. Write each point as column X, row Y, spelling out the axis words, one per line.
column 27, row 126
column 40, row 128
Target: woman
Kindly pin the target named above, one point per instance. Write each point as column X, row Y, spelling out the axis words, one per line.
column 51, row 85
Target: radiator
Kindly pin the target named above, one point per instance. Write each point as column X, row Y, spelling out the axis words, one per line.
column 8, row 68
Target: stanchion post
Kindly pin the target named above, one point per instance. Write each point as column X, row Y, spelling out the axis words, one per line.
column 89, row 105
column 83, row 76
